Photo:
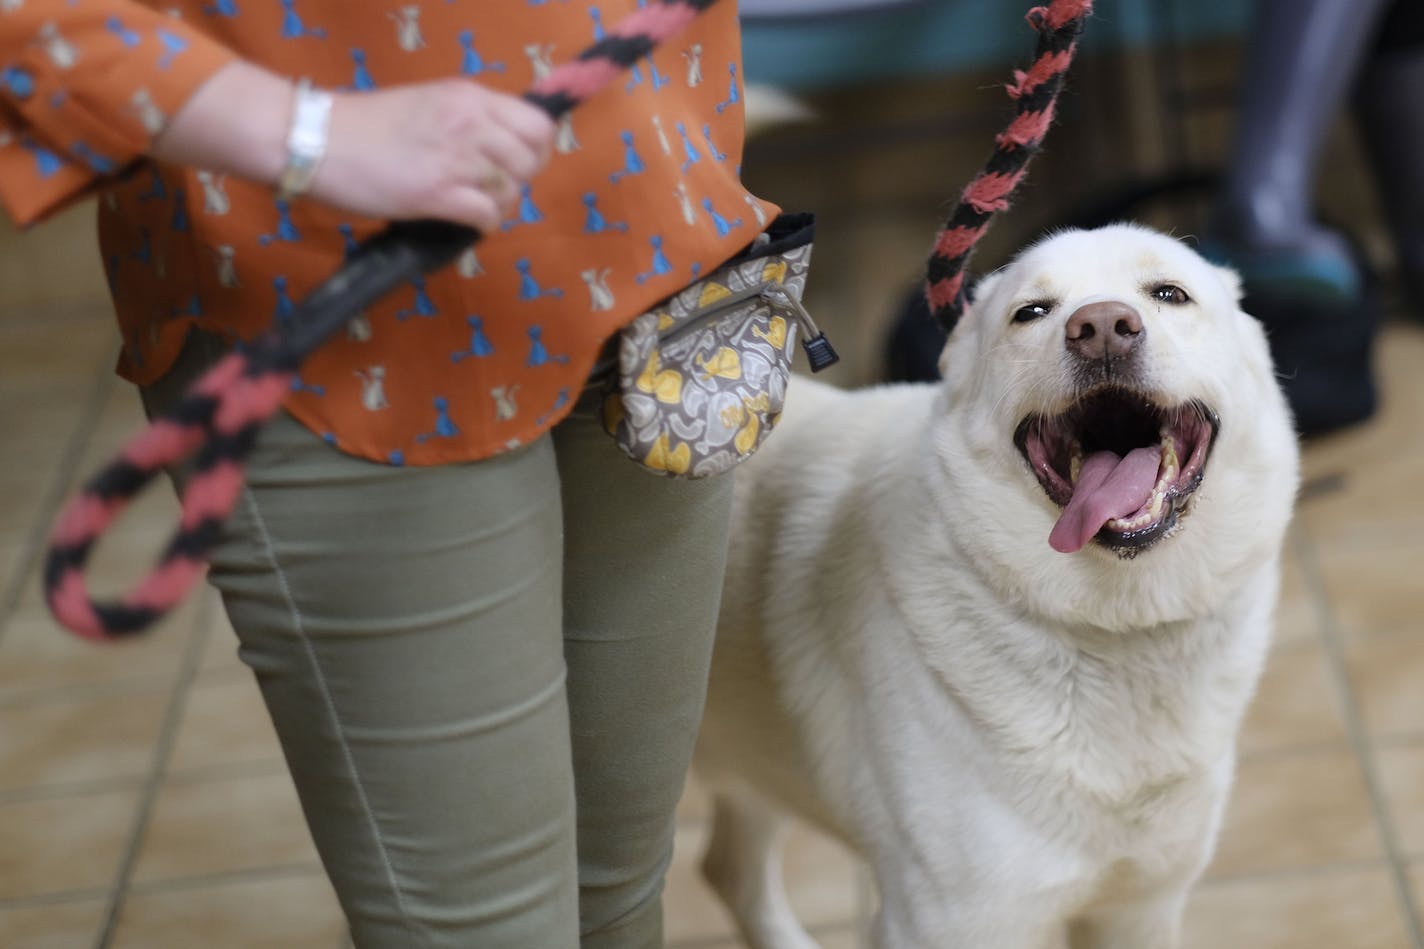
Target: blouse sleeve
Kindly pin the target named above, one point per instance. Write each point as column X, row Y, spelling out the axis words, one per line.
column 85, row 86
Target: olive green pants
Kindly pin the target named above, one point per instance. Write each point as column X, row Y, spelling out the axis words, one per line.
column 486, row 678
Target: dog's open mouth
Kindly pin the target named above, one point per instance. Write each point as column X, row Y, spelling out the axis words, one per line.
column 1120, row 465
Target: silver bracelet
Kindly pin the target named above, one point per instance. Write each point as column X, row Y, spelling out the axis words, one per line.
column 306, row 140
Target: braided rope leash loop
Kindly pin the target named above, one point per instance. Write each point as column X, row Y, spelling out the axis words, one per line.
column 219, row 417
column 1036, row 91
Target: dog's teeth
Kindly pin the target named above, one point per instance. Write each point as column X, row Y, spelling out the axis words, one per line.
column 1167, row 475
column 1075, row 462
column 1170, row 462
column 1171, row 466
column 1151, row 515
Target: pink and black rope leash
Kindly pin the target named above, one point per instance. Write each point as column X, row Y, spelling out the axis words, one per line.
column 1036, row 90
column 220, row 416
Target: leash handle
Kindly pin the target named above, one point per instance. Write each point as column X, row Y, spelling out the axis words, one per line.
column 217, row 421
column 1036, row 91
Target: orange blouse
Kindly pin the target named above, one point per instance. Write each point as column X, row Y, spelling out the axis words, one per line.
column 642, row 197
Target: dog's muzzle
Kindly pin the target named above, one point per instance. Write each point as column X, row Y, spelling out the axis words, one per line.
column 1121, row 465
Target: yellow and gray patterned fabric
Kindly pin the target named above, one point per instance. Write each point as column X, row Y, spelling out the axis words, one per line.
column 701, row 378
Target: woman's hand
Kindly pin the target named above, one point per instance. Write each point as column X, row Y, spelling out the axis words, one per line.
column 447, row 149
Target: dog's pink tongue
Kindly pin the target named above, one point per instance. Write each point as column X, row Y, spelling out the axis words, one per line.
column 1108, row 487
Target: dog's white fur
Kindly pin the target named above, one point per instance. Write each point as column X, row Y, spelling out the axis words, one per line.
column 1020, row 742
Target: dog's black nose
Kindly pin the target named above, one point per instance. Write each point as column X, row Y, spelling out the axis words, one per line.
column 1109, row 329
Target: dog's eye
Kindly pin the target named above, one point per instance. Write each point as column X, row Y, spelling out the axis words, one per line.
column 1170, row 293
column 1031, row 312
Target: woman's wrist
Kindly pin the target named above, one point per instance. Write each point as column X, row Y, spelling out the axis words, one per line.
column 236, row 122
column 307, row 138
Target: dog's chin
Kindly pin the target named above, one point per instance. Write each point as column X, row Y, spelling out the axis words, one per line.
column 1122, row 465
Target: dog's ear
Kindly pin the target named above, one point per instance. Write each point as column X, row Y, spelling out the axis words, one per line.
column 1232, row 279
column 980, row 287
column 983, row 286
column 942, row 364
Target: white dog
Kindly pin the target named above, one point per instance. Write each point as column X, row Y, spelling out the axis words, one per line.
column 998, row 634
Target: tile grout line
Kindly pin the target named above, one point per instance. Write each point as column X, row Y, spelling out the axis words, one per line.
column 65, row 476
column 69, row 790
column 1356, row 732
column 268, row 767
column 53, row 898
column 163, row 753
column 1309, row 872
column 287, row 871
column 67, row 693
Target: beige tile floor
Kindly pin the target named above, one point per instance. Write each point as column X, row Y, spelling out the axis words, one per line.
column 144, row 803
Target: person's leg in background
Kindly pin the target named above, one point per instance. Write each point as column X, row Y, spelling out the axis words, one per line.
column 404, row 625
column 1389, row 101
column 1301, row 61
column 1304, row 281
column 644, row 558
